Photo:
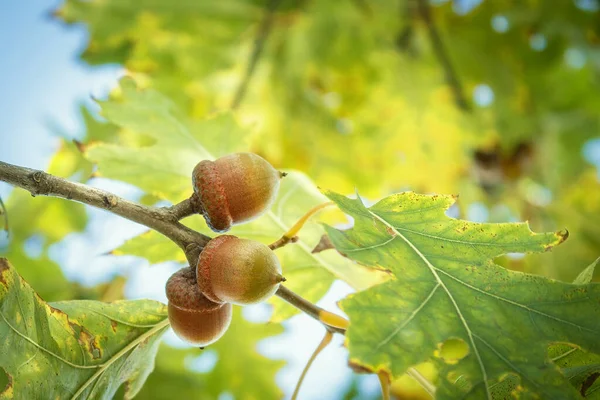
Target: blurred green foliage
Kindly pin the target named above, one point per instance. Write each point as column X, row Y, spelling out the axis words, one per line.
column 355, row 94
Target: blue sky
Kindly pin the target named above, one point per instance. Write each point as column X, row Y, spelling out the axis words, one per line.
column 42, row 80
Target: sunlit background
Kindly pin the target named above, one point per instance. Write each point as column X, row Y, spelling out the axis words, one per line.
column 44, row 84
column 526, row 147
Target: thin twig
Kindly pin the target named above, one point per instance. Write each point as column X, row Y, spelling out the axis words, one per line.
column 259, row 44
column 159, row 219
column 306, row 306
column 291, row 235
column 442, row 55
column 283, row 241
column 182, row 210
column 405, row 37
column 324, row 343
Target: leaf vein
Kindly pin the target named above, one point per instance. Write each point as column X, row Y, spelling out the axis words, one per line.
column 357, row 249
column 514, row 303
column 157, row 328
column 506, row 361
column 28, row 339
column 115, row 319
column 501, row 245
column 409, row 319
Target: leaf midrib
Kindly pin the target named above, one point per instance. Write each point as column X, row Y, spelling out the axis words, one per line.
column 103, row 367
column 45, row 350
column 433, row 271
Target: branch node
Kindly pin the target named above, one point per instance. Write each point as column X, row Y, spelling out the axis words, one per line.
column 110, row 201
column 41, row 184
column 37, row 176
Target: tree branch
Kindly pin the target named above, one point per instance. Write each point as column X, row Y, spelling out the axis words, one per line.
column 163, row 220
column 442, row 56
column 259, row 44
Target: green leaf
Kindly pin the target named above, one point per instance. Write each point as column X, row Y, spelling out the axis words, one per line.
column 580, row 367
column 74, row 349
column 172, row 378
column 587, row 274
column 447, row 287
column 577, row 206
column 151, row 246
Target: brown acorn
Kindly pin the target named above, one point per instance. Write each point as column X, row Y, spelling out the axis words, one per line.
column 234, row 189
column 238, row 271
column 194, row 318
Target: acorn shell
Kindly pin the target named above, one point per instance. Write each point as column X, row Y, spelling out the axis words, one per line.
column 234, row 189
column 194, row 318
column 238, row 271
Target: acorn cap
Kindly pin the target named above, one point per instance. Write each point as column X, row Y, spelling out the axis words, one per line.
column 238, row 271
column 204, row 265
column 235, row 188
column 193, row 317
column 211, row 194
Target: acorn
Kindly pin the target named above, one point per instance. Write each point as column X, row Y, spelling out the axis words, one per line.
column 238, row 271
column 194, row 318
column 234, row 189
